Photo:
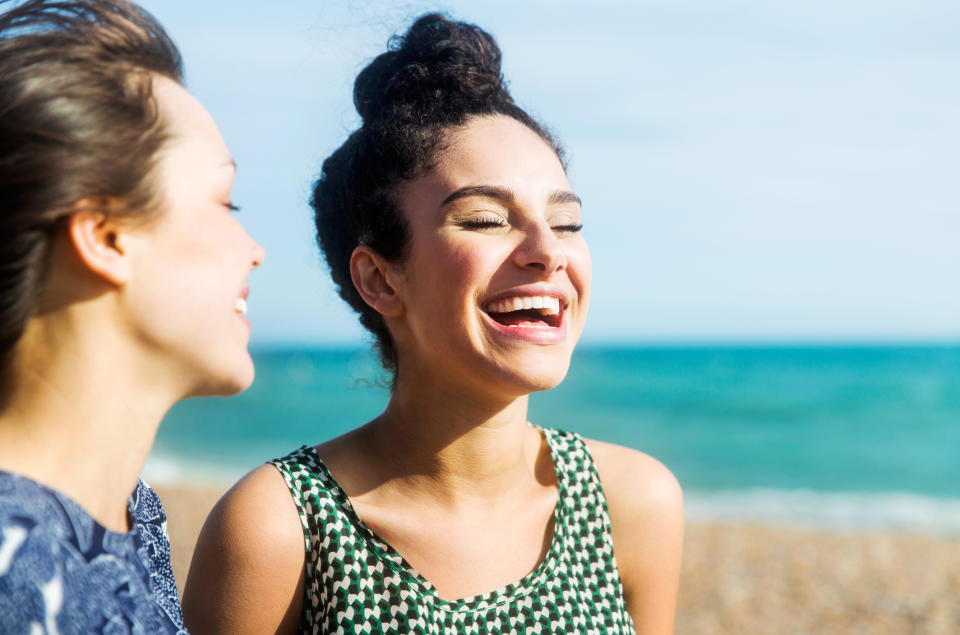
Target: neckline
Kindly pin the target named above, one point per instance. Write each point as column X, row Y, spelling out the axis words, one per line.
column 71, row 506
column 482, row 601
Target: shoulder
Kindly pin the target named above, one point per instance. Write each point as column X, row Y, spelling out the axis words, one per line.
column 43, row 576
column 31, row 558
column 259, row 506
column 35, row 525
column 258, row 519
column 635, row 483
column 31, row 543
column 57, row 565
column 250, row 553
column 646, row 518
column 25, row 501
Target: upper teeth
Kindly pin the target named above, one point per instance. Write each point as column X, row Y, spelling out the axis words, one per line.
column 548, row 305
column 240, row 306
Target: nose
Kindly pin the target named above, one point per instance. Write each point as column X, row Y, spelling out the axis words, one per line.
column 258, row 255
column 541, row 250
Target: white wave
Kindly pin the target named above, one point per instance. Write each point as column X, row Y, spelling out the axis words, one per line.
column 827, row 510
column 843, row 511
column 166, row 470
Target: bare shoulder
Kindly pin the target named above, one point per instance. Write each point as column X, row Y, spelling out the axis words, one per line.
column 646, row 517
column 259, row 507
column 246, row 575
column 635, row 483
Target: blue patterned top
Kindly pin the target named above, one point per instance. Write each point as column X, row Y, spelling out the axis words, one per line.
column 63, row 572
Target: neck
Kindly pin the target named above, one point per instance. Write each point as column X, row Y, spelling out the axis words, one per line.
column 452, row 442
column 80, row 415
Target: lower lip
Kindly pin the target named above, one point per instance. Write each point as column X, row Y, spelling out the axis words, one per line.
column 245, row 321
column 532, row 334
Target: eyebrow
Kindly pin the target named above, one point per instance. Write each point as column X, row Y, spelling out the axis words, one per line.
column 506, row 195
column 564, row 196
column 495, row 192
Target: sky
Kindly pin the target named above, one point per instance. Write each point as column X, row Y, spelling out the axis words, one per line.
column 750, row 170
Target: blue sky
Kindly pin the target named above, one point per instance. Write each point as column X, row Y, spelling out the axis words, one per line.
column 750, row 170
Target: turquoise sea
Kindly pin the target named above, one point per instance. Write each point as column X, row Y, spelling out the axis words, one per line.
column 855, row 436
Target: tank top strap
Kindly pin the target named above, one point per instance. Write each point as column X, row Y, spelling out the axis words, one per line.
column 314, row 493
column 587, row 530
column 577, row 475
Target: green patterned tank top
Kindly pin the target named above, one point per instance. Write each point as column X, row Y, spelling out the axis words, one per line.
column 357, row 583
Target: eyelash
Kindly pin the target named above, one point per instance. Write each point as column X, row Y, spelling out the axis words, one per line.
column 483, row 223
column 491, row 223
column 232, row 207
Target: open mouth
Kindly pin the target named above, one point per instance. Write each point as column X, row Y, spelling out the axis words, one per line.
column 527, row 312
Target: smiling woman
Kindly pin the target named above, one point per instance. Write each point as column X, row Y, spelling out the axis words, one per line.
column 193, row 261
column 493, row 224
column 449, row 225
column 121, row 267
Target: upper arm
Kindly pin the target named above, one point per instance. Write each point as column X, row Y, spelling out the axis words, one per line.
column 247, row 571
column 646, row 515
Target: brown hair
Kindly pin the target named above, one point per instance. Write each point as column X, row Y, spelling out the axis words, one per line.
column 77, row 121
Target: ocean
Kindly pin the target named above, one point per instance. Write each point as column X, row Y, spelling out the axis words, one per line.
column 848, row 437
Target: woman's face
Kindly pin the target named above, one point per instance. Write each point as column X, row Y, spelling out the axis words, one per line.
column 496, row 285
column 189, row 287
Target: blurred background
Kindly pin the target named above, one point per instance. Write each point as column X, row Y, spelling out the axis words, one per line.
column 771, row 199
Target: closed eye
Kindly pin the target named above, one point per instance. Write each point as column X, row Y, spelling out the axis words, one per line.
column 485, row 222
column 232, row 207
column 567, row 229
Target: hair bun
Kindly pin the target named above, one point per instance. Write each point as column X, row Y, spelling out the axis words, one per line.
column 436, row 62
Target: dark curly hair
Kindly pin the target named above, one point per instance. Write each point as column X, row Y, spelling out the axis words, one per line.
column 77, row 120
column 436, row 77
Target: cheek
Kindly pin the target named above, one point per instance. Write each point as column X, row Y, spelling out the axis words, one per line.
column 215, row 247
column 469, row 266
column 580, row 266
column 187, row 268
column 449, row 270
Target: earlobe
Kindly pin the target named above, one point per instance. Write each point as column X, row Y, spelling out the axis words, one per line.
column 99, row 242
column 370, row 274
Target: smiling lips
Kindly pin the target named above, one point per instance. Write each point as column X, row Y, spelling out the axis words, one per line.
column 240, row 304
column 547, row 305
column 541, row 312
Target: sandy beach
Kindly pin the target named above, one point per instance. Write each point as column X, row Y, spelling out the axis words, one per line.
column 759, row 580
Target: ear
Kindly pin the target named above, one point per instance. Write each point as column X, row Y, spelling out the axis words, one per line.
column 371, row 276
column 99, row 241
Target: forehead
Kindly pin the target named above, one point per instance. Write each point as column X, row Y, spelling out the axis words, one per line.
column 499, row 150
column 188, row 122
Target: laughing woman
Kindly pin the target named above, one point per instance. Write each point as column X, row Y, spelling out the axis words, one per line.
column 122, row 273
column 449, row 225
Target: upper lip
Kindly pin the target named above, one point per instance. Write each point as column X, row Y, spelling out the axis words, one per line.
column 530, row 290
column 245, row 291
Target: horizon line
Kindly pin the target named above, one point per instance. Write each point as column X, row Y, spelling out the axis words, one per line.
column 659, row 343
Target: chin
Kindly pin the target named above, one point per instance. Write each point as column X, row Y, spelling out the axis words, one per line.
column 240, row 380
column 225, row 382
column 538, row 375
